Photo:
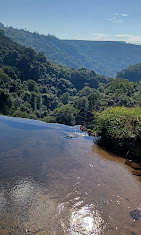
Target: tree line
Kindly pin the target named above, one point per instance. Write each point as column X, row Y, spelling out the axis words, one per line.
column 31, row 86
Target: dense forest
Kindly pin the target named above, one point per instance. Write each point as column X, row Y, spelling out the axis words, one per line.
column 31, row 86
column 112, row 55
column 132, row 73
column 106, row 58
column 58, row 51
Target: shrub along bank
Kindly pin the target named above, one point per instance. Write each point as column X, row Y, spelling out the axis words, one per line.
column 120, row 131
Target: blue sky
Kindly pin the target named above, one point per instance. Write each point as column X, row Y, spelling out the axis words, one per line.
column 76, row 19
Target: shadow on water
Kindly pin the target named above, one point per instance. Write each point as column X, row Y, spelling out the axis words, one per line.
column 55, row 180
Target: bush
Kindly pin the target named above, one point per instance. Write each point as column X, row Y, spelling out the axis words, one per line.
column 120, row 130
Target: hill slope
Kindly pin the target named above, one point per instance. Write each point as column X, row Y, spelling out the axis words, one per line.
column 58, row 51
column 132, row 73
column 113, row 55
column 32, row 86
column 105, row 58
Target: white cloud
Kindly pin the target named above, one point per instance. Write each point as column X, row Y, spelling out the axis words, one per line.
column 123, row 35
column 129, row 38
column 124, row 15
column 116, row 20
column 100, row 36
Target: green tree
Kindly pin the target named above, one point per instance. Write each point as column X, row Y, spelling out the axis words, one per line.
column 65, row 115
column 5, row 102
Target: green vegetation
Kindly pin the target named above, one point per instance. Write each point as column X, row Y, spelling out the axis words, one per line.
column 132, row 73
column 120, row 130
column 58, row 51
column 104, row 57
column 111, row 56
column 33, row 87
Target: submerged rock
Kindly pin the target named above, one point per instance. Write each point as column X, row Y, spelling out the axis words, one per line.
column 135, row 214
column 70, row 136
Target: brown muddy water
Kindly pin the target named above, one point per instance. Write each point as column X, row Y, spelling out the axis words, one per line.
column 51, row 184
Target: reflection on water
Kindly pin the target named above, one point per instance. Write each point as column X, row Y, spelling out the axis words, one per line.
column 87, row 220
column 22, row 191
column 53, row 184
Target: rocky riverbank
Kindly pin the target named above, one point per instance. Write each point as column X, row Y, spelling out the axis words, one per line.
column 90, row 132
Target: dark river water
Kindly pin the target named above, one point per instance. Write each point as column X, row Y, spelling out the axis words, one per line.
column 53, row 184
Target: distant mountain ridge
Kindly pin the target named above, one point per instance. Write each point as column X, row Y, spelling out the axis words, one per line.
column 104, row 57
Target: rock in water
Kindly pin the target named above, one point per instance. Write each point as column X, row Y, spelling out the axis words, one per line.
column 70, row 136
column 135, row 214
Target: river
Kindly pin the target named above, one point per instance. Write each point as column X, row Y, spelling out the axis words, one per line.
column 55, row 180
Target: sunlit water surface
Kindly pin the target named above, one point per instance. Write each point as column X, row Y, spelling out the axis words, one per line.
column 53, row 184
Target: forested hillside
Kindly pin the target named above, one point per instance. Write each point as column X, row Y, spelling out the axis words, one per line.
column 31, row 86
column 56, row 50
column 132, row 73
column 106, row 58
column 113, row 55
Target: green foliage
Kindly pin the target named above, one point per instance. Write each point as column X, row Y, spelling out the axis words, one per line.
column 31, row 86
column 65, row 114
column 84, row 113
column 132, row 73
column 104, row 57
column 120, row 130
column 5, row 102
column 94, row 100
column 86, row 91
column 65, row 98
column 108, row 57
column 138, row 97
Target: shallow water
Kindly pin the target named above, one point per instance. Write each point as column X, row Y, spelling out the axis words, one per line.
column 53, row 184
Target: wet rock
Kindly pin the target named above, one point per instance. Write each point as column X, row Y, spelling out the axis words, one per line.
column 90, row 132
column 132, row 233
column 70, row 136
column 137, row 172
column 135, row 214
column 132, row 164
column 83, row 128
